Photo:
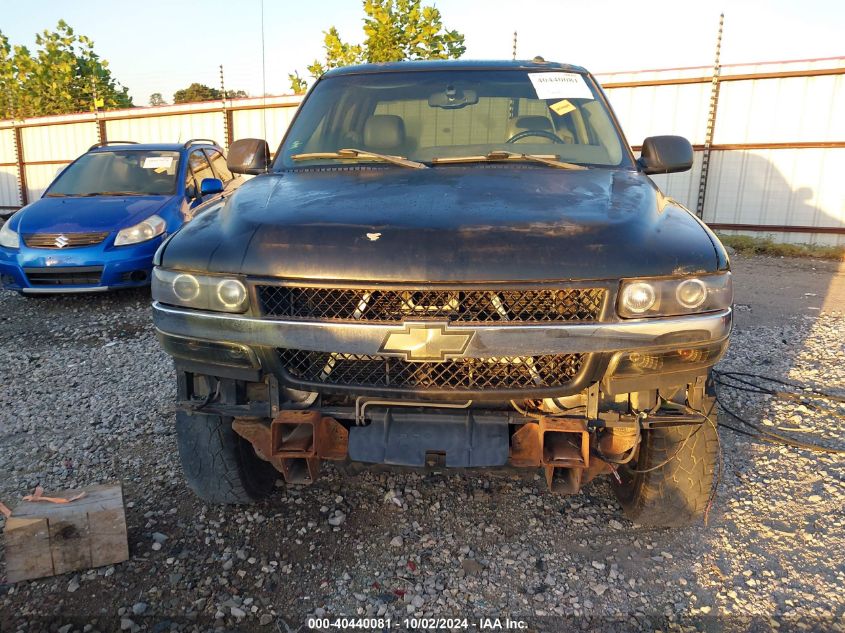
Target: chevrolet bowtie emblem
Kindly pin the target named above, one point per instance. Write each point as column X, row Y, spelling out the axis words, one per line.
column 426, row 342
column 61, row 241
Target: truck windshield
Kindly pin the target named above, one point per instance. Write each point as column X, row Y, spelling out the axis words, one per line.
column 119, row 172
column 433, row 116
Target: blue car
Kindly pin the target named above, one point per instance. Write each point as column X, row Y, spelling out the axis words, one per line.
column 100, row 222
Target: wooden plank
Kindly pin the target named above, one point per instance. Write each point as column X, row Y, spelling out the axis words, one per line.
column 96, row 499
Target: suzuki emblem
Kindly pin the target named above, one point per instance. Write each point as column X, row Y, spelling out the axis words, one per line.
column 61, row 241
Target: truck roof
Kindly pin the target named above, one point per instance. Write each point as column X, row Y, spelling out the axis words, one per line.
column 454, row 64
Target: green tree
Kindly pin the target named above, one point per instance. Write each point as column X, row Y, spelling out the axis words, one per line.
column 63, row 75
column 201, row 92
column 196, row 92
column 394, row 30
column 156, row 99
column 297, row 83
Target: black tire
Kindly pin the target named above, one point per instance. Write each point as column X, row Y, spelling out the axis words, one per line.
column 220, row 466
column 677, row 493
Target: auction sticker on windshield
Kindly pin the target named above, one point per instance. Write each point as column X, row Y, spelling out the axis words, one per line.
column 158, row 162
column 560, row 86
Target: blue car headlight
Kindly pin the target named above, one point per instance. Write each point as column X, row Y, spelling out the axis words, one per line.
column 8, row 237
column 144, row 231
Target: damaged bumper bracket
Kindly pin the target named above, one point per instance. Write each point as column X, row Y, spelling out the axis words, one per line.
column 294, row 442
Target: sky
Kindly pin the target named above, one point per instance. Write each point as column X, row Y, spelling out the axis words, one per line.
column 164, row 45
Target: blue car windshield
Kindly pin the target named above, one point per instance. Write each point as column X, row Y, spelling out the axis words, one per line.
column 123, row 172
column 443, row 116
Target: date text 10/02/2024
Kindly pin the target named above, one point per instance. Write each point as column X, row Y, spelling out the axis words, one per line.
column 485, row 624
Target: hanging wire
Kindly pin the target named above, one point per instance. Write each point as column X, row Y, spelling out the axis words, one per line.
column 745, row 382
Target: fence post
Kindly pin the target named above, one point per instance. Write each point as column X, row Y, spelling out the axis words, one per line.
column 711, row 123
column 102, row 137
column 227, row 115
column 21, row 166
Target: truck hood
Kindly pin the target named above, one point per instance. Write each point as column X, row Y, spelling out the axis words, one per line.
column 452, row 223
column 82, row 215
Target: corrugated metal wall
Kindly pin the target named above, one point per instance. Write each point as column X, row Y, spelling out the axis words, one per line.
column 8, row 171
column 168, row 129
column 785, row 110
column 46, row 151
column 645, row 111
column 777, row 160
column 253, row 123
column 778, row 144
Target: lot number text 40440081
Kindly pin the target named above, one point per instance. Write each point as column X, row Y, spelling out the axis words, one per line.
column 483, row 624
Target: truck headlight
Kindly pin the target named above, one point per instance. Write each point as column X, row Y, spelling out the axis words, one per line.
column 144, row 231
column 672, row 297
column 691, row 293
column 638, row 297
column 203, row 292
column 8, row 237
column 231, row 293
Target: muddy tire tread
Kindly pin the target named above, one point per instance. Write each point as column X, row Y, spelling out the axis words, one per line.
column 677, row 493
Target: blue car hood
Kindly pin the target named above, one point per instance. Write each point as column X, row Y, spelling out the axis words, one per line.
column 81, row 215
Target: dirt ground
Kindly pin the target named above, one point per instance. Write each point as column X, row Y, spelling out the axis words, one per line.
column 85, row 397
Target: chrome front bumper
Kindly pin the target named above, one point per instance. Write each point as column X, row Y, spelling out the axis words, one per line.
column 487, row 340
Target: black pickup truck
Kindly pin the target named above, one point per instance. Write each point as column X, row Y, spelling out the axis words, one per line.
column 453, row 263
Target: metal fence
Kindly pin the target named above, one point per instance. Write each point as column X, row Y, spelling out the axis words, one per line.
column 33, row 151
column 775, row 165
column 778, row 145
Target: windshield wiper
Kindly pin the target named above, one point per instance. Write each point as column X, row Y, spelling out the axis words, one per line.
column 359, row 154
column 502, row 155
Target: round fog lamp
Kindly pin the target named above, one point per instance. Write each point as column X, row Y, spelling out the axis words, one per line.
column 231, row 293
column 186, row 287
column 638, row 297
column 691, row 293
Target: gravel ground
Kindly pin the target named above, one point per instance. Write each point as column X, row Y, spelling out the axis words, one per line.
column 85, row 398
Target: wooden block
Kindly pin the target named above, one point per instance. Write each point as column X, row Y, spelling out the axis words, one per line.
column 27, row 549
column 107, row 530
column 70, row 545
column 45, row 539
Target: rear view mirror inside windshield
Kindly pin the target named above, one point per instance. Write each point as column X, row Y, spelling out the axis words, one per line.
column 453, row 98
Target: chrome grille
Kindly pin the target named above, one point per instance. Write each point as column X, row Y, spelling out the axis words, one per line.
column 63, row 240
column 464, row 306
column 468, row 374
